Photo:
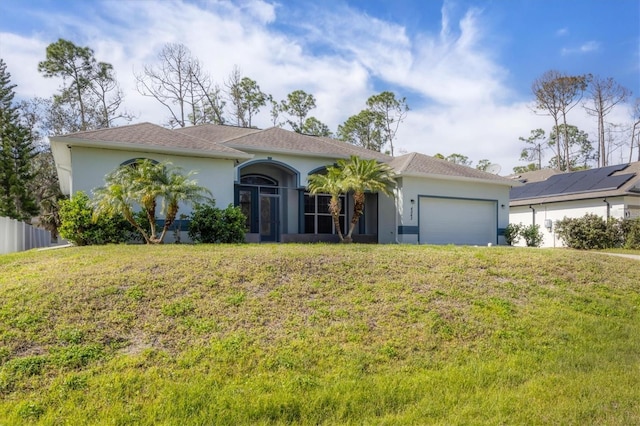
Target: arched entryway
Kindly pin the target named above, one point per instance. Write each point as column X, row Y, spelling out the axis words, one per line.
column 267, row 194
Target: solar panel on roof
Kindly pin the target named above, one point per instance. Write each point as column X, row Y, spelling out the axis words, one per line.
column 570, row 183
column 612, row 182
column 564, row 183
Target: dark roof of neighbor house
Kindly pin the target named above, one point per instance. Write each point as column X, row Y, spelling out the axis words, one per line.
column 617, row 180
column 534, row 176
column 423, row 165
column 276, row 139
column 151, row 136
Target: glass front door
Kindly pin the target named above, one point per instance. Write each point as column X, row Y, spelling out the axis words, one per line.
column 269, row 217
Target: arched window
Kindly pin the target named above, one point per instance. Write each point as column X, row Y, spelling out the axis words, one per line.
column 260, row 180
column 134, row 161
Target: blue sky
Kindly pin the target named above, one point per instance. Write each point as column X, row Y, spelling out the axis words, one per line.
column 465, row 66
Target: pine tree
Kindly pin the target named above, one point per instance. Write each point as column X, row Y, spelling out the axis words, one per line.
column 16, row 152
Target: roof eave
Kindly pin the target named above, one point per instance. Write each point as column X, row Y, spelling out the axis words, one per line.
column 288, row 152
column 127, row 146
column 458, row 178
column 577, row 197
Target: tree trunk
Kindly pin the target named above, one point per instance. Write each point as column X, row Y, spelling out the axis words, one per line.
column 334, row 206
column 358, row 208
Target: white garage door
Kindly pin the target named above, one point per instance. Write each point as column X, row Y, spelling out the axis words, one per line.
column 457, row 221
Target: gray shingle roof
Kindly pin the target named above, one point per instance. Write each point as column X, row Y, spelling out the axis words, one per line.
column 276, row 139
column 151, row 136
column 415, row 164
column 237, row 142
column 216, row 133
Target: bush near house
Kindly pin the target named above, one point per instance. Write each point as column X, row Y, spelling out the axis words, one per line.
column 631, row 232
column 79, row 227
column 591, row 232
column 210, row 224
column 512, row 233
column 531, row 234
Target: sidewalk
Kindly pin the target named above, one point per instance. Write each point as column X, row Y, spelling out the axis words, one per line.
column 628, row 256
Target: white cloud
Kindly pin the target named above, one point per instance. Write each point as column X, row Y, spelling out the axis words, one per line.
column 460, row 101
column 587, row 47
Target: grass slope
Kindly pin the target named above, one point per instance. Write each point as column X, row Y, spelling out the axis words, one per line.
column 318, row 334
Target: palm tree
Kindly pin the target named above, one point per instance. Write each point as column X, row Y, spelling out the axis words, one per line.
column 118, row 197
column 361, row 176
column 330, row 183
column 142, row 183
column 174, row 188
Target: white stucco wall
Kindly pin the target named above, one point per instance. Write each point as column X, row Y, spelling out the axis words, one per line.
column 557, row 211
column 90, row 165
column 387, row 226
column 412, row 188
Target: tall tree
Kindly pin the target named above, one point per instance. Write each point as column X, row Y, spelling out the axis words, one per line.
column 90, row 97
column 178, row 83
column 571, row 89
column 297, row 105
column 556, row 94
column 109, row 96
column 16, row 153
column 635, row 130
column 483, row 165
column 363, row 129
column 531, row 167
column 315, row 127
column 391, row 111
column 604, row 95
column 76, row 65
column 580, row 148
column 455, row 158
column 35, row 115
column 275, row 111
column 534, row 147
column 245, row 97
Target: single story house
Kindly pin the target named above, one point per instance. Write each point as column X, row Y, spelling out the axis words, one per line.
column 549, row 195
column 265, row 172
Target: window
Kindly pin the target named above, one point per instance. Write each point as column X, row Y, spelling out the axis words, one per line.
column 317, row 218
column 134, row 162
column 245, row 196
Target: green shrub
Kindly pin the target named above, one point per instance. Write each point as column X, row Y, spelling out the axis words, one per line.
column 631, row 233
column 210, row 224
column 590, row 232
column 532, row 235
column 78, row 226
column 512, row 233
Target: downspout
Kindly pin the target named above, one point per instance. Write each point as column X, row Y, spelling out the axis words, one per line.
column 608, row 208
column 395, row 214
column 533, row 214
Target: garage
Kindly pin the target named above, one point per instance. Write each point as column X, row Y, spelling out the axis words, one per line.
column 459, row 221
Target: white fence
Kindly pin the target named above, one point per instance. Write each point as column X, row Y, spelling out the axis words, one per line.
column 18, row 236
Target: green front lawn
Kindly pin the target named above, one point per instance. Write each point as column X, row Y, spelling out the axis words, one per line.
column 318, row 334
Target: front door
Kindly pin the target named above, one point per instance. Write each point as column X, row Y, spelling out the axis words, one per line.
column 269, row 217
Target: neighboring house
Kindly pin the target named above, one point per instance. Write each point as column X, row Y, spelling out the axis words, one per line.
column 265, row 172
column 548, row 196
